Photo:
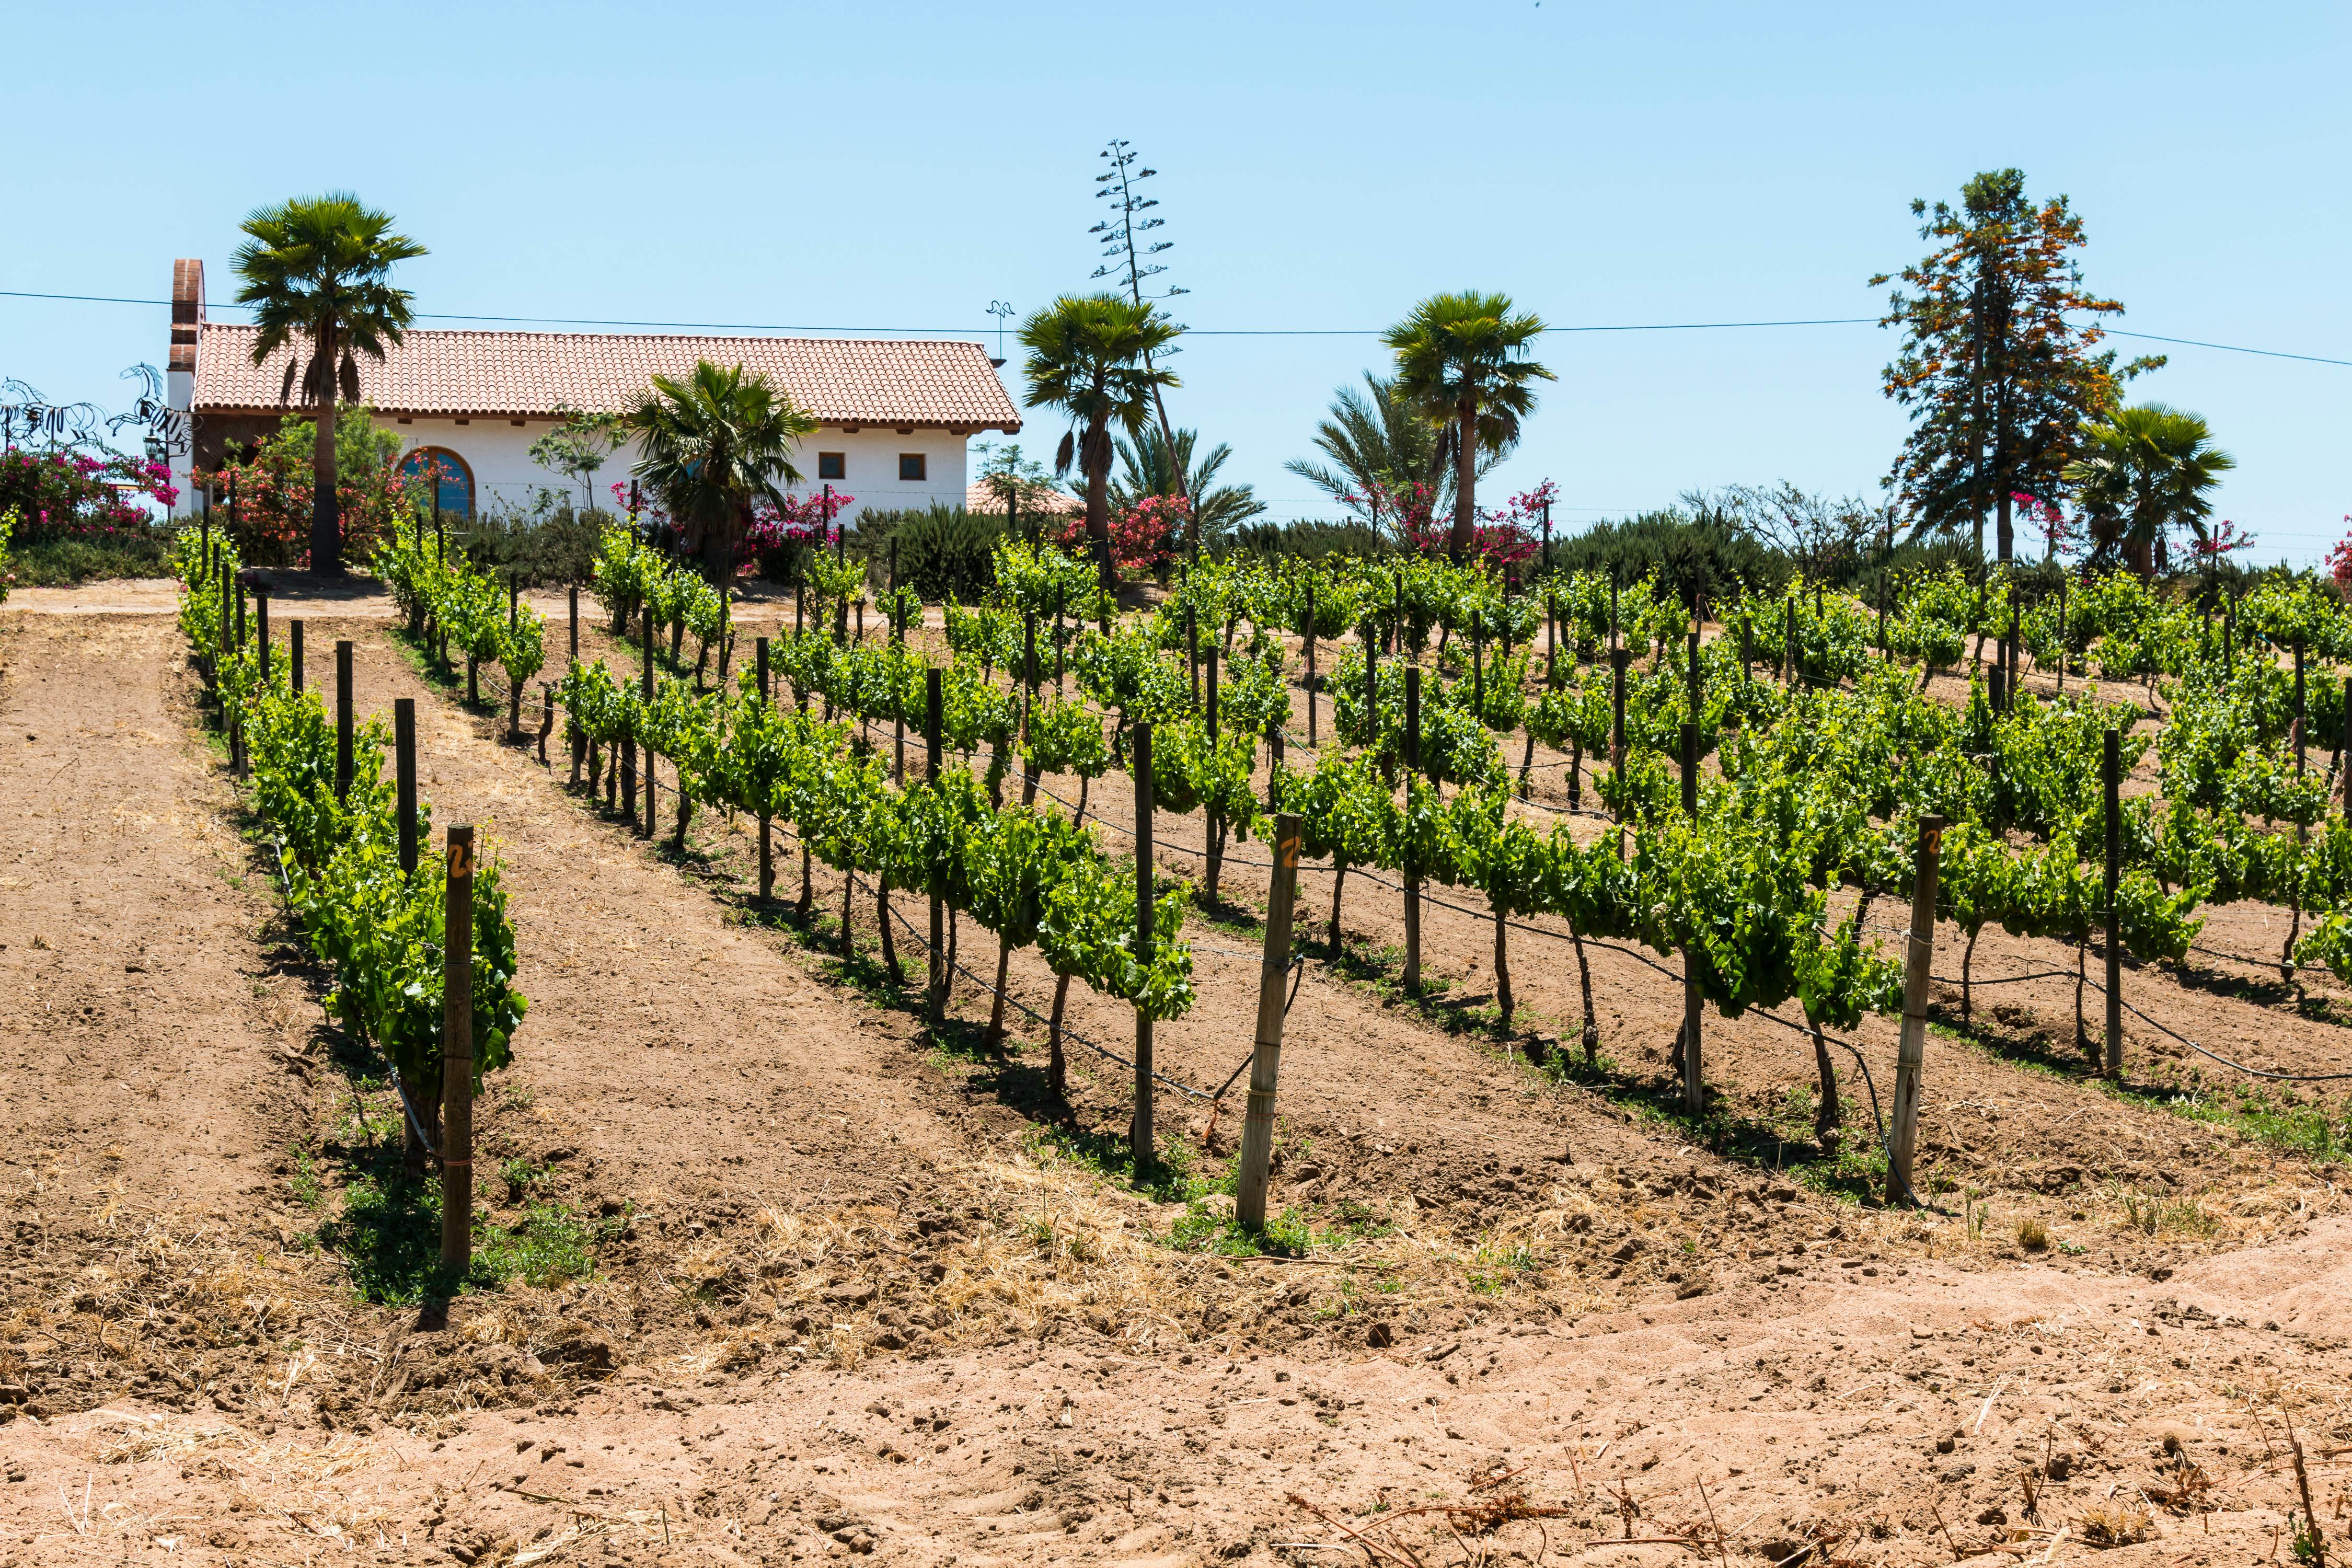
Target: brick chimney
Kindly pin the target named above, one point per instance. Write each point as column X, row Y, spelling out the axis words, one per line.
column 180, row 376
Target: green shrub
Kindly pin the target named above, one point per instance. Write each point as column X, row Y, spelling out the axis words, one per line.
column 60, row 559
column 1307, row 540
column 548, row 544
column 1705, row 556
column 942, row 551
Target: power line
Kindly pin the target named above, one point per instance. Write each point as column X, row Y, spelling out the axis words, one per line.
column 1190, row 331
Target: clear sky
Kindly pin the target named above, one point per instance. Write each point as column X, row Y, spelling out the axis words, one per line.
column 1322, row 166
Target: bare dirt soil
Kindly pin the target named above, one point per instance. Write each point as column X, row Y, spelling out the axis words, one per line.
column 853, row 1289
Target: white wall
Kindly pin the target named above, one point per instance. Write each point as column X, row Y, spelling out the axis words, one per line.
column 500, row 454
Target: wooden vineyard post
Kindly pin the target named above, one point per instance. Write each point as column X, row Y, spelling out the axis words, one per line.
column 1310, row 663
column 2062, row 633
column 935, row 991
column 624, row 747
column 767, row 842
column 726, row 629
column 2113, row 769
column 343, row 705
column 1996, row 689
column 1265, row 1060
column 1903, row 1137
column 572, row 734
column 404, row 772
column 1411, row 870
column 458, row 1059
column 1193, row 653
column 236, row 651
column 2344, row 744
column 645, row 700
column 1212, row 830
column 1139, row 1134
column 261, row 636
column 1692, row 1060
column 514, row 688
column 294, row 654
column 1618, row 659
column 2301, row 713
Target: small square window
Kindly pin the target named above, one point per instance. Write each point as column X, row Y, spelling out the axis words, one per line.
column 910, row 466
column 831, row 466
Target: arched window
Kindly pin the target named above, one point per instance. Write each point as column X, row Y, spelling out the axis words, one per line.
column 457, row 478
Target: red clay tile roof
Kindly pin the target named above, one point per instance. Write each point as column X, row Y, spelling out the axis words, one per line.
column 842, row 381
column 981, row 496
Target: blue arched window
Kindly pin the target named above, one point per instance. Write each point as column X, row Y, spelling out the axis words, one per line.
column 457, row 478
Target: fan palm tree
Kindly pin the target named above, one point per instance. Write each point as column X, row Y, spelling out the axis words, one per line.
column 1461, row 365
column 319, row 269
column 2146, row 472
column 714, row 444
column 1380, row 446
column 1145, row 470
column 1087, row 358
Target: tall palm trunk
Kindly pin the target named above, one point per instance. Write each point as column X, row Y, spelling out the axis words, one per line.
column 1094, row 458
column 326, row 526
column 1465, row 477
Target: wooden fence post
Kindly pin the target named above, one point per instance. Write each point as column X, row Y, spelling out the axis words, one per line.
column 646, row 696
column 1410, row 868
column 343, row 718
column 1139, row 1134
column 294, row 654
column 1903, row 1137
column 1266, row 1062
column 767, row 842
column 1310, row 663
column 2344, row 743
column 261, row 635
column 1693, row 1058
column 404, row 772
column 236, row 651
column 1193, row 653
column 458, row 1059
column 2113, row 770
column 935, row 997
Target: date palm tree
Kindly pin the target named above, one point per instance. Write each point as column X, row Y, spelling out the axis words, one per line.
column 1377, row 445
column 2146, row 472
column 1462, row 364
column 1145, row 470
column 319, row 269
column 712, row 446
column 1087, row 358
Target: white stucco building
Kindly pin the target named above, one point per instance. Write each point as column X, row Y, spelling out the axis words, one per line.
column 894, row 416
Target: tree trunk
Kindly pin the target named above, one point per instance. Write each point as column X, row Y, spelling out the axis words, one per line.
column 1082, row 781
column 2003, row 539
column 326, row 524
column 996, row 1008
column 1968, row 959
column 1503, row 970
column 1584, row 981
column 1097, row 464
column 890, row 944
column 1465, row 477
column 1339, row 886
column 684, row 812
column 800, row 907
column 848, row 933
column 1826, row 1116
column 1056, row 1068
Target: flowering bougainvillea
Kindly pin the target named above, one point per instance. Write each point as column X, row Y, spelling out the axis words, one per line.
column 1410, row 510
column 276, row 489
column 1143, row 533
column 74, row 491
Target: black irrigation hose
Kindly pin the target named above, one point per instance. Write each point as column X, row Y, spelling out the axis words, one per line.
column 2234, row 1067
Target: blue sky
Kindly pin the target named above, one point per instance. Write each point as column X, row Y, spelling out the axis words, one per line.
column 1322, row 166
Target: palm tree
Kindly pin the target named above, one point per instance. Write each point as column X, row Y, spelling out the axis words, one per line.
column 1462, row 364
column 1382, row 446
column 1087, row 358
column 2146, row 473
column 713, row 444
column 320, row 268
column 1217, row 510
